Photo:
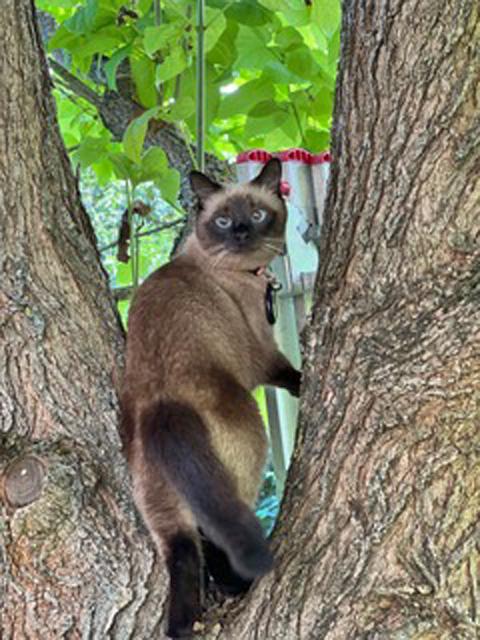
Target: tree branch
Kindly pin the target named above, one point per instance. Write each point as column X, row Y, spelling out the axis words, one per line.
column 74, row 84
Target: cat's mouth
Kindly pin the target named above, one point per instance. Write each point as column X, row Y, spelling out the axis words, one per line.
column 243, row 246
column 248, row 247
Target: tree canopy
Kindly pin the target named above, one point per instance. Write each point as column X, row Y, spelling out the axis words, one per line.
column 270, row 78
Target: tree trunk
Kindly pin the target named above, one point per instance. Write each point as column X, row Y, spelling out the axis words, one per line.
column 73, row 562
column 378, row 531
column 378, row 536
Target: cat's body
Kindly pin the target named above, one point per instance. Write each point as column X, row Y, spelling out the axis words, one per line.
column 199, row 341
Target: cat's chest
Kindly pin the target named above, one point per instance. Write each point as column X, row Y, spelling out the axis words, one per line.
column 248, row 296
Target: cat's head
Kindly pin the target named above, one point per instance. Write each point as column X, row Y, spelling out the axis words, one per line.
column 241, row 226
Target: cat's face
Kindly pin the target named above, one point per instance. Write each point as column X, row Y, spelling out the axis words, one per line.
column 242, row 226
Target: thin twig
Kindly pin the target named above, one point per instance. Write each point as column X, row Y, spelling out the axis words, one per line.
column 122, row 293
column 149, row 232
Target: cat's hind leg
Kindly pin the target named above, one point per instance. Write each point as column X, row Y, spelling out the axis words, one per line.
column 220, row 569
column 174, row 531
column 185, row 569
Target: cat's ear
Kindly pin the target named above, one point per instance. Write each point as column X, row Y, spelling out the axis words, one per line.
column 202, row 186
column 270, row 176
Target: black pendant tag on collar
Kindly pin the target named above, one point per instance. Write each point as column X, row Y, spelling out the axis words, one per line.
column 270, row 306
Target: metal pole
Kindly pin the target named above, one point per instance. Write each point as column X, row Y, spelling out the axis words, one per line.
column 200, row 120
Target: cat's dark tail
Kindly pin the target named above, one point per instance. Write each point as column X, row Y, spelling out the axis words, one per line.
column 176, row 438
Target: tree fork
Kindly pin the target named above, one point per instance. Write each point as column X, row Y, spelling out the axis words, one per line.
column 377, row 538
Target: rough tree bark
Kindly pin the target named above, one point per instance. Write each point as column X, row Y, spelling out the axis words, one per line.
column 73, row 562
column 379, row 526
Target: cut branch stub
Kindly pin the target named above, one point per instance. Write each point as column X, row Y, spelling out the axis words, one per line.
column 24, row 481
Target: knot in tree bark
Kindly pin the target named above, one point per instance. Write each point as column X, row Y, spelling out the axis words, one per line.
column 24, row 481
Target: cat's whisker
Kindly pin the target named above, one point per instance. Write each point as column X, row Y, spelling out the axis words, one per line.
column 219, row 258
column 273, row 239
column 277, row 250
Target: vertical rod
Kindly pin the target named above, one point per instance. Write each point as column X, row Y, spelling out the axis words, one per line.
column 158, row 13
column 134, row 245
column 200, row 120
column 158, row 21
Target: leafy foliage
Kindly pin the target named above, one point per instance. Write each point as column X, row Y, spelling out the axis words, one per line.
column 270, row 66
column 270, row 78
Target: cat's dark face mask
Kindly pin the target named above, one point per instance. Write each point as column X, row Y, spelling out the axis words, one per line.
column 242, row 226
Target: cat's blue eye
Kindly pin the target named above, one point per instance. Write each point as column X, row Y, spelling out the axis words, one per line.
column 223, row 222
column 259, row 215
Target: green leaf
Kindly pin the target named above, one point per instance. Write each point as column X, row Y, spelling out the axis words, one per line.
column 279, row 73
column 134, row 136
column 143, row 74
column 322, row 104
column 212, row 86
column 334, row 48
column 216, row 23
column 64, row 39
column 102, row 41
column 70, row 138
column 253, row 50
column 260, row 125
column 90, row 150
column 123, row 306
column 122, row 165
column 84, row 19
column 287, row 135
column 46, row 5
column 93, row 15
column 162, row 36
column 288, row 37
column 144, row 6
column 111, row 66
column 123, row 274
column 321, row 39
column 248, row 12
column 154, row 162
column 317, row 141
column 295, row 13
column 173, row 64
column 301, row 63
column 182, row 109
column 103, row 171
column 246, row 95
column 188, row 88
column 326, row 14
column 263, row 109
column 169, row 184
column 224, row 53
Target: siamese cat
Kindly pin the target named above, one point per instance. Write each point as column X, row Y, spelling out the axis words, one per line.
column 199, row 340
